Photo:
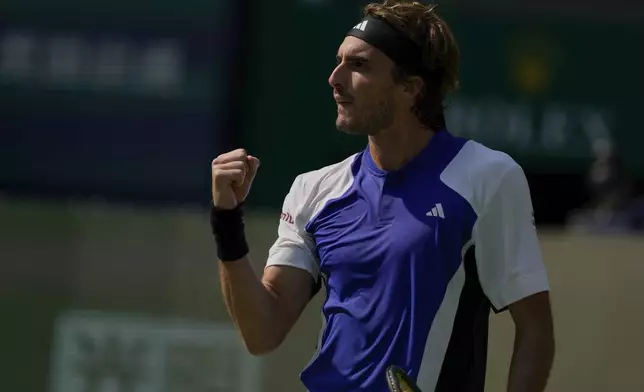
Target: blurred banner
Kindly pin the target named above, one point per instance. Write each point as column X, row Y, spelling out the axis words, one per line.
column 114, row 97
column 101, row 351
column 541, row 91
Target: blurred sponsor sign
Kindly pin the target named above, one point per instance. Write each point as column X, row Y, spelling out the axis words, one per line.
column 121, row 98
column 107, row 63
column 103, row 352
column 526, row 129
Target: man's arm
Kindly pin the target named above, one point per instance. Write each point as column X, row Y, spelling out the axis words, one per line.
column 534, row 344
column 514, row 277
column 264, row 310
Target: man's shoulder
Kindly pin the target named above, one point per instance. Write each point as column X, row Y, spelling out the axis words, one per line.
column 477, row 171
column 326, row 178
column 485, row 162
column 312, row 190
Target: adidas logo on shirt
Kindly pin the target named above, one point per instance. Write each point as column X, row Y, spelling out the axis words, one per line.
column 361, row 26
column 437, row 211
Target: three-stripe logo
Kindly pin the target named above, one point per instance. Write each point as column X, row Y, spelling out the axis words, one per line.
column 437, row 211
column 361, row 26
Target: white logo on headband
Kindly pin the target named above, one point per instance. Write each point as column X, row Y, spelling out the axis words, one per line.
column 361, row 26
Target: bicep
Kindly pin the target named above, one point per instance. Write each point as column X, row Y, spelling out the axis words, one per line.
column 533, row 311
column 291, row 287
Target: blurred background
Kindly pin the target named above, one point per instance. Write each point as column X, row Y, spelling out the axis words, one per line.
column 111, row 111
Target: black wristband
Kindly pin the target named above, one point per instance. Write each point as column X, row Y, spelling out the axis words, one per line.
column 228, row 229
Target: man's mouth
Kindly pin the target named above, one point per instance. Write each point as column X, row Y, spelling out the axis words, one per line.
column 341, row 100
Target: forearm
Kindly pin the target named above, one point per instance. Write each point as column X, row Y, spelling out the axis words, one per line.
column 531, row 361
column 251, row 305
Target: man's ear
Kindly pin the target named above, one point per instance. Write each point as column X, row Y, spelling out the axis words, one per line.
column 414, row 86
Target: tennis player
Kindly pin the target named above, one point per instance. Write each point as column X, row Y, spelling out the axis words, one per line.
column 416, row 239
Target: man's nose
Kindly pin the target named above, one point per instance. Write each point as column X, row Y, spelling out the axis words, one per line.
column 335, row 79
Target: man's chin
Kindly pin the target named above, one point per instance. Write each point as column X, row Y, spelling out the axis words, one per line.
column 348, row 127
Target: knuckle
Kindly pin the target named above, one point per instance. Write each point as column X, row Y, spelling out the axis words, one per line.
column 219, row 160
column 216, row 173
column 241, row 153
column 229, row 156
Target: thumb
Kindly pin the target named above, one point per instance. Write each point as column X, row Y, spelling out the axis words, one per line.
column 253, row 164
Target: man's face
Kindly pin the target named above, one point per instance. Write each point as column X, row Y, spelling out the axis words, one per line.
column 363, row 88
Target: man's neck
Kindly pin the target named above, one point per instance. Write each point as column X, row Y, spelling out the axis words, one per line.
column 392, row 149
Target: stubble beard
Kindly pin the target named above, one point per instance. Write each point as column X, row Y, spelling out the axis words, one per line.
column 382, row 117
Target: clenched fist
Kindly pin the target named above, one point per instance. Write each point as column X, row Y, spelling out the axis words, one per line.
column 232, row 176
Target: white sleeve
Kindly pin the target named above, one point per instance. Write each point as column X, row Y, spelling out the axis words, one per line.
column 294, row 246
column 508, row 253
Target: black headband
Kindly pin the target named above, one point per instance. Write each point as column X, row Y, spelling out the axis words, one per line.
column 380, row 34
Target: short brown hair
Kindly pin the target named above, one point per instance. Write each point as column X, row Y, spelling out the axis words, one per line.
column 440, row 53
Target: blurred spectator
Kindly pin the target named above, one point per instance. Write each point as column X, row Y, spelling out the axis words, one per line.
column 611, row 208
column 607, row 180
